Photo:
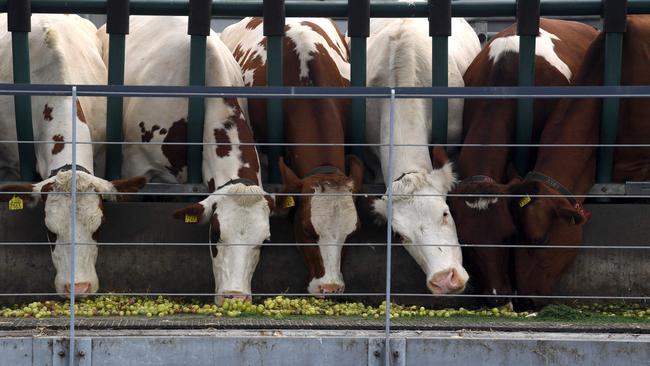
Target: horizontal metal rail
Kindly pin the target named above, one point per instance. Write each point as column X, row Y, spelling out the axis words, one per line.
column 291, row 92
column 338, row 9
column 334, row 295
column 514, row 246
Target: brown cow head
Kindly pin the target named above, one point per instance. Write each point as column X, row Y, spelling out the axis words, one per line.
column 58, row 219
column 543, row 221
column 328, row 218
column 486, row 221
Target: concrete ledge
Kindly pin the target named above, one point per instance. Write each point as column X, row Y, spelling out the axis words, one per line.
column 209, row 347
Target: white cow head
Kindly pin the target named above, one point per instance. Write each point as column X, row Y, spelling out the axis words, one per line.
column 58, row 219
column 426, row 220
column 327, row 216
column 239, row 219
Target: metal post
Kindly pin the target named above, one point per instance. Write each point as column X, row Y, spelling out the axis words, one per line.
column 358, row 30
column 274, row 13
column 614, row 25
column 527, row 29
column 389, row 222
column 439, row 30
column 19, row 24
column 199, row 29
column 73, row 224
column 117, row 26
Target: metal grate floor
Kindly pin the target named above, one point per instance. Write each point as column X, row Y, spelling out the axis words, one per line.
column 320, row 323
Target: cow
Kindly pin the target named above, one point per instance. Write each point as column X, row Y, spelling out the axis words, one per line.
column 571, row 171
column 399, row 54
column 488, row 170
column 314, row 54
column 238, row 208
column 63, row 50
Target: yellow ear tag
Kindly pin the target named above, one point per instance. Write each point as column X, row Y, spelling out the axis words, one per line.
column 16, row 203
column 288, row 202
column 524, row 201
column 191, row 219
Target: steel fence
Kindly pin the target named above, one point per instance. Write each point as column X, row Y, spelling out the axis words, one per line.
column 115, row 91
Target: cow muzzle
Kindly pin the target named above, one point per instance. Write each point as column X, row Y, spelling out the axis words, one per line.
column 449, row 281
column 80, row 288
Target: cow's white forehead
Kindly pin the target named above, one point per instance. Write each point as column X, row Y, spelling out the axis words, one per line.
column 243, row 213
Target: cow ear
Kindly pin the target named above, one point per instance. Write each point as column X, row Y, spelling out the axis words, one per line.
column 291, row 182
column 523, row 191
column 198, row 213
column 439, row 157
column 27, row 197
column 570, row 215
column 129, row 185
column 355, row 169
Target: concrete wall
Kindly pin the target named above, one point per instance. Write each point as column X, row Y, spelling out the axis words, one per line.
column 187, row 269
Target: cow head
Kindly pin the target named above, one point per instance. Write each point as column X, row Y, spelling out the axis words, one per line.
column 486, row 220
column 543, row 221
column 239, row 218
column 326, row 216
column 58, row 219
column 423, row 220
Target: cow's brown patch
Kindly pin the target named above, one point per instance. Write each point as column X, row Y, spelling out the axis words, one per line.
column 221, row 137
column 147, row 135
column 46, row 188
column 316, row 28
column 250, row 166
column 80, row 113
column 176, row 154
column 59, row 145
column 47, row 113
column 163, row 131
column 254, row 23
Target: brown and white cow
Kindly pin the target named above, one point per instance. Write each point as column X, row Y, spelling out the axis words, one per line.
column 63, row 50
column 570, row 171
column 560, row 48
column 399, row 54
column 315, row 54
column 238, row 210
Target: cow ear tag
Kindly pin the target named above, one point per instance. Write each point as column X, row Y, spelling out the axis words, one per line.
column 191, row 219
column 524, row 201
column 16, row 203
column 288, row 202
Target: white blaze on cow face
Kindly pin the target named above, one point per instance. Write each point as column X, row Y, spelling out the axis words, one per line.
column 544, row 48
column 239, row 217
column 334, row 218
column 426, row 220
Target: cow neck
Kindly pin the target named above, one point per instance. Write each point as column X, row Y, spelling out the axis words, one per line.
column 574, row 122
column 68, row 167
column 244, row 181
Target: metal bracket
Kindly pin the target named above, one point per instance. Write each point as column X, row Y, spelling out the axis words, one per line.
column 397, row 352
column 637, row 188
column 83, row 352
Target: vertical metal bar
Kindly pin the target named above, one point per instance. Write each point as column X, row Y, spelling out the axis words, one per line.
column 274, row 21
column 196, row 109
column 439, row 30
column 73, row 224
column 439, row 72
column 19, row 24
column 527, row 29
column 614, row 26
column 389, row 223
column 199, row 28
column 358, row 30
column 117, row 26
column 114, row 106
